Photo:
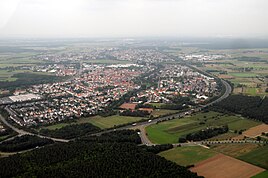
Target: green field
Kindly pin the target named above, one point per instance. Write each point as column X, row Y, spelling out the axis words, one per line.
column 258, row 157
column 110, row 121
column 261, row 175
column 170, row 131
column 235, row 150
column 162, row 112
column 185, row 156
column 56, row 126
column 242, row 74
column 101, row 122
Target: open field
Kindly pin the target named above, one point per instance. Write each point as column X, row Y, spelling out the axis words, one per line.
column 57, row 126
column 261, row 175
column 157, row 105
column 234, row 150
column 221, row 166
column 170, row 131
column 161, row 112
column 246, row 68
column 186, row 156
column 6, row 75
column 258, row 157
column 256, row 131
column 110, row 121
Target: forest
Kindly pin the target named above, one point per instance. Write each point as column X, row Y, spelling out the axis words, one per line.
column 115, row 136
column 82, row 159
column 253, row 107
column 71, row 131
column 24, row 142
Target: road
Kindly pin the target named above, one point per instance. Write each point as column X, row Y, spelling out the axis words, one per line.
column 23, row 132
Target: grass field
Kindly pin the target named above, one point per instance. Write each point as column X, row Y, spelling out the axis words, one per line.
column 161, row 112
column 110, row 121
column 57, row 126
column 261, row 175
column 157, row 105
column 242, row 74
column 187, row 155
column 258, row 157
column 234, row 150
column 170, row 131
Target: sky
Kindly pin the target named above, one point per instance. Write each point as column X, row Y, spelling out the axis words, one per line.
column 133, row 18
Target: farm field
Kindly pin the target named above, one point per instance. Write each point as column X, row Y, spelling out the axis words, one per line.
column 234, row 150
column 186, row 156
column 221, row 166
column 256, row 131
column 170, row 131
column 258, row 157
column 251, row 81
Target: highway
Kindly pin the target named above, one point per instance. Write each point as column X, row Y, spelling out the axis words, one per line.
column 23, row 132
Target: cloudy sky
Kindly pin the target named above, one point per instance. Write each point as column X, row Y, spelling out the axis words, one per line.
column 133, row 18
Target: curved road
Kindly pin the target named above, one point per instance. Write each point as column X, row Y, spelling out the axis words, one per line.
column 23, row 132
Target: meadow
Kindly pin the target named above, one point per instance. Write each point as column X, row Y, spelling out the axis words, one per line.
column 170, row 131
column 186, row 156
column 258, row 157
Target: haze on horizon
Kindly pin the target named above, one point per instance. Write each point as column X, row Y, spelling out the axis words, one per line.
column 133, row 18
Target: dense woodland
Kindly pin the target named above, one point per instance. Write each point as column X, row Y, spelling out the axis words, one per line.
column 115, row 136
column 204, row 134
column 24, row 142
column 81, row 159
column 248, row 106
column 71, row 131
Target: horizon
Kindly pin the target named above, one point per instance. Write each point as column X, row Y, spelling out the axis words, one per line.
column 133, row 19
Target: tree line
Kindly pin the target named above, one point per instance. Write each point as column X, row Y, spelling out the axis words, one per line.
column 204, row 134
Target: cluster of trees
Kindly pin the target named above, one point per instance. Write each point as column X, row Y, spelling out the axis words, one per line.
column 24, row 142
column 115, row 136
column 204, row 134
column 248, row 106
column 136, row 113
column 81, row 159
column 26, row 79
column 71, row 131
